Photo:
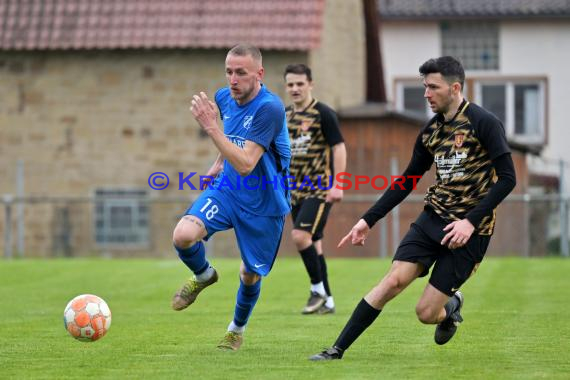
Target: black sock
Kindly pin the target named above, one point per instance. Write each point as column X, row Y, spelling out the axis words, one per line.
column 451, row 306
column 361, row 318
column 324, row 274
column 311, row 260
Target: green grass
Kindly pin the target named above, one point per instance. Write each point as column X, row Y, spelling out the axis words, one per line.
column 516, row 312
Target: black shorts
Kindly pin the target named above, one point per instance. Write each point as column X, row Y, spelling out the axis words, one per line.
column 311, row 215
column 452, row 266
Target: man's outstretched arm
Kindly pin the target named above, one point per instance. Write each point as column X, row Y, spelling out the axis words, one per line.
column 419, row 164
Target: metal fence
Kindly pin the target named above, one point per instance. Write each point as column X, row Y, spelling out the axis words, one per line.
column 126, row 226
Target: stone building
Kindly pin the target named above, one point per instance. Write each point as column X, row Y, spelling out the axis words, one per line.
column 95, row 98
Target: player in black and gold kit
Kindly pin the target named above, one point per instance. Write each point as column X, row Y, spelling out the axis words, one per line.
column 475, row 172
column 317, row 153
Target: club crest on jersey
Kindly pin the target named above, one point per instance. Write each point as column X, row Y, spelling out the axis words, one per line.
column 306, row 124
column 459, row 138
column 247, row 122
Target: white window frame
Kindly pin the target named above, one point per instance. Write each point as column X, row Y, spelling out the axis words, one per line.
column 509, row 121
column 400, row 85
column 133, row 201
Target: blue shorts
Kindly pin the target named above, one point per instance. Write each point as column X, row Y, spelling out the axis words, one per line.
column 258, row 237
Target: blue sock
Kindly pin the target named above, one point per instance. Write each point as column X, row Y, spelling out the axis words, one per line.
column 246, row 299
column 194, row 257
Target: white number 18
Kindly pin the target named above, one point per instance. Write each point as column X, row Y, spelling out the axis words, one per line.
column 212, row 211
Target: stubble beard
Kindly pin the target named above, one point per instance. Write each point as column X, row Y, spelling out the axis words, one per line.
column 445, row 108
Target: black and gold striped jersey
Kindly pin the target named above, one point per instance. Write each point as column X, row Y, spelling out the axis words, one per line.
column 462, row 150
column 474, row 169
column 312, row 132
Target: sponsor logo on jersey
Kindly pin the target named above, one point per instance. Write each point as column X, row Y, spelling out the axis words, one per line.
column 459, row 137
column 306, row 124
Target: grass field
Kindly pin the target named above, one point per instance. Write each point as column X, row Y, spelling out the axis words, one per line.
column 516, row 312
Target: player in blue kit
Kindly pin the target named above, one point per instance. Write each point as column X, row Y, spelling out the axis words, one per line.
column 247, row 193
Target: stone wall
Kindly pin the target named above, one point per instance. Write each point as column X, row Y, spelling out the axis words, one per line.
column 339, row 64
column 81, row 121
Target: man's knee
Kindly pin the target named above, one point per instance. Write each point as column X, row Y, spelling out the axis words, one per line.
column 426, row 313
column 249, row 278
column 301, row 238
column 391, row 285
column 187, row 232
column 182, row 239
column 394, row 283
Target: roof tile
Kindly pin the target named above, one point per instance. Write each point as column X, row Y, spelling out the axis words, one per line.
column 112, row 24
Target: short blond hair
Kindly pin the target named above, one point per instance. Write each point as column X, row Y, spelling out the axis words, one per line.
column 243, row 50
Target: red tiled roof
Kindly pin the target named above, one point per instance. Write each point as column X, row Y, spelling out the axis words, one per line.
column 124, row 24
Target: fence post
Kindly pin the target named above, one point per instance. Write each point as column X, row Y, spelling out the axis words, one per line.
column 8, row 226
column 563, row 226
column 526, row 225
column 563, row 213
column 20, row 208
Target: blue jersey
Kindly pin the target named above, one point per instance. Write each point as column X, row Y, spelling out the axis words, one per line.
column 262, row 121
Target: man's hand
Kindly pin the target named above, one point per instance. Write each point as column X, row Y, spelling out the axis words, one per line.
column 458, row 233
column 357, row 234
column 205, row 112
column 212, row 173
column 334, row 195
column 206, row 181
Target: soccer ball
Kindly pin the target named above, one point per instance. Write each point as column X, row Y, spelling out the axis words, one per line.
column 87, row 318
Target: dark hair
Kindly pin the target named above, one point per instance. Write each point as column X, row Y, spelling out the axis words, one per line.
column 298, row 68
column 243, row 50
column 449, row 67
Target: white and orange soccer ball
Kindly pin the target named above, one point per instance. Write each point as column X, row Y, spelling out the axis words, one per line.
column 87, row 318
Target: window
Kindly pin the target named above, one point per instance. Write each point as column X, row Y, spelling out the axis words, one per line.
column 494, row 99
column 527, row 113
column 121, row 217
column 414, row 99
column 410, row 97
column 519, row 104
column 475, row 43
